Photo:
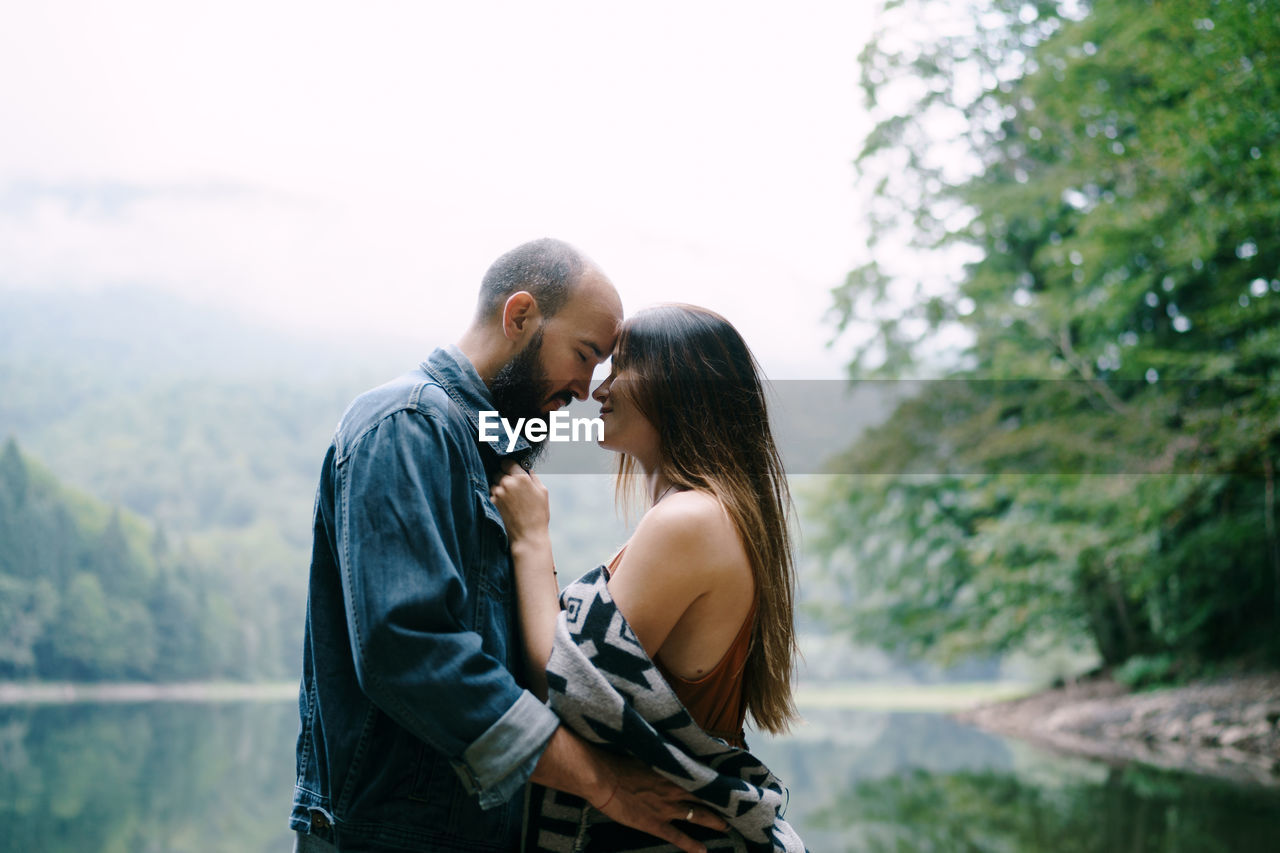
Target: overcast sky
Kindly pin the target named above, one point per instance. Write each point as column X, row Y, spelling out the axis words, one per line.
column 354, row 167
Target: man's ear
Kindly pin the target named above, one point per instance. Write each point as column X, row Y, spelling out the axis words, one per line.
column 520, row 315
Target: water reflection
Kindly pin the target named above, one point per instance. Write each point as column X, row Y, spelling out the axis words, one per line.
column 218, row 777
column 1133, row 809
column 864, row 781
column 836, row 750
column 149, row 777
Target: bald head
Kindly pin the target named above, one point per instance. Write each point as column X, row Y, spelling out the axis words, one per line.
column 547, row 316
column 548, row 269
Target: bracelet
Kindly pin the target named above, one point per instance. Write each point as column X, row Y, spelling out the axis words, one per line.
column 616, row 785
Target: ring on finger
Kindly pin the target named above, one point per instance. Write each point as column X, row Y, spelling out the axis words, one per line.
column 689, row 816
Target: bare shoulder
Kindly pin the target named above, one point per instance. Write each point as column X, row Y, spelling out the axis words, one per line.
column 692, row 530
column 684, row 558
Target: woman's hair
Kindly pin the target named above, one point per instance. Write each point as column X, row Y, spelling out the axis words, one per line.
column 693, row 378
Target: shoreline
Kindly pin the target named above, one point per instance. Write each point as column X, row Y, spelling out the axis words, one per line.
column 1228, row 728
column 907, row 697
column 899, row 697
column 72, row 692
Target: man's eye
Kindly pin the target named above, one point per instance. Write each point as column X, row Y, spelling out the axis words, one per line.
column 582, row 356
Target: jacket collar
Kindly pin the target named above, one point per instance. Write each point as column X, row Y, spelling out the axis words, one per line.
column 458, row 376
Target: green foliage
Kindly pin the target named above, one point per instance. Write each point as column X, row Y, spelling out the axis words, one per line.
column 1147, row 671
column 1099, row 464
column 100, row 636
column 83, row 597
column 26, row 610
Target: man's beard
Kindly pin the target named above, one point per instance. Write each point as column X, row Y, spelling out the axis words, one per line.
column 520, row 388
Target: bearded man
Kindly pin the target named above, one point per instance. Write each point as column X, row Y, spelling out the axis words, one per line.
column 416, row 733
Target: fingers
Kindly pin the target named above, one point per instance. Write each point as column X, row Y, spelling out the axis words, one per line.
column 669, row 833
column 656, row 806
column 513, row 472
column 696, row 814
column 516, row 480
column 703, row 816
column 522, row 500
column 512, row 468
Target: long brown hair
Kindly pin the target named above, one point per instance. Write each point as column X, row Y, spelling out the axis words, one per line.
column 693, row 377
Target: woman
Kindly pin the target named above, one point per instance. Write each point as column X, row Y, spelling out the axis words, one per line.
column 706, row 582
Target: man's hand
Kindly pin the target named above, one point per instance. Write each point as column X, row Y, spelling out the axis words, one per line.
column 623, row 789
column 646, row 801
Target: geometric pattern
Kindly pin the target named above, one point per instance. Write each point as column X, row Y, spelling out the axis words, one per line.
column 605, row 688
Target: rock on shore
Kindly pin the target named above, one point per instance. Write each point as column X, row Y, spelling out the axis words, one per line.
column 1228, row 728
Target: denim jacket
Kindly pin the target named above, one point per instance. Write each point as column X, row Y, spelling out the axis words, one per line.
column 415, row 733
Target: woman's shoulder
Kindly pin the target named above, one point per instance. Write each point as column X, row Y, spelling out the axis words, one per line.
column 693, row 526
column 688, row 511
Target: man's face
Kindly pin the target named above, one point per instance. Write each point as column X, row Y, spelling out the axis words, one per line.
column 557, row 363
column 521, row 384
column 577, row 339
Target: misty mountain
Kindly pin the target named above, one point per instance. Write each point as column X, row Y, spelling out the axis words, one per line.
column 128, row 336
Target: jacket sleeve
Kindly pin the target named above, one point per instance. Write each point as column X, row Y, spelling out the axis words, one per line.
column 401, row 490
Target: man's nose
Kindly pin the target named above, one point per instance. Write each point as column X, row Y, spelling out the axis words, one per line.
column 581, row 387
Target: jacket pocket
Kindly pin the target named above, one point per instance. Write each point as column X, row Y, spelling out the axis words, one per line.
column 467, row 820
column 433, row 777
column 440, row 800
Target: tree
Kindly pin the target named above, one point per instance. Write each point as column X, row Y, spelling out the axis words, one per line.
column 13, row 473
column 26, row 608
column 1102, row 454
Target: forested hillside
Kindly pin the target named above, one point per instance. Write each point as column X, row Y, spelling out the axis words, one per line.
column 199, row 439
column 88, row 591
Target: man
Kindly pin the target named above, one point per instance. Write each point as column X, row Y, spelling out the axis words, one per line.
column 416, row 734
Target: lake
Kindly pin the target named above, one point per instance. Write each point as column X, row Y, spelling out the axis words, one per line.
column 174, row 776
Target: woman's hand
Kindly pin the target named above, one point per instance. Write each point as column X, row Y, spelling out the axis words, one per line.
column 526, row 512
column 523, row 501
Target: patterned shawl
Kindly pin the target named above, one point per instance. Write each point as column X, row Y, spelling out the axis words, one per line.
column 606, row 689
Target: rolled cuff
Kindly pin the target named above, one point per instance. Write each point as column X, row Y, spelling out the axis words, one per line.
column 502, row 759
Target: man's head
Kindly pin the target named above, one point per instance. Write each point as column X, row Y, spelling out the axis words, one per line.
column 548, row 269
column 545, row 318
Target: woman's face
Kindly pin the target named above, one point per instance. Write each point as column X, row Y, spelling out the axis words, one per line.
column 626, row 429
